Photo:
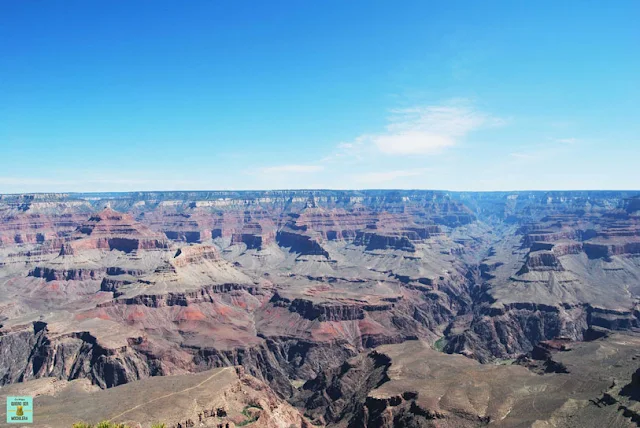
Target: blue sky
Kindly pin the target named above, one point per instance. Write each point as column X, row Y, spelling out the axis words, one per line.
column 460, row 95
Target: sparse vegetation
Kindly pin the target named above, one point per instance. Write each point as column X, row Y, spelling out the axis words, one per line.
column 440, row 344
column 107, row 424
column 504, row 361
column 250, row 418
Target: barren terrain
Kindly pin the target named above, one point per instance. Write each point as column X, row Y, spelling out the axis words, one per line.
column 331, row 308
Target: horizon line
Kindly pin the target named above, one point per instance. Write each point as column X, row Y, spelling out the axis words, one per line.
column 105, row 192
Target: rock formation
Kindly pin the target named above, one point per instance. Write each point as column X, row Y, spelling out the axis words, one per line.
column 326, row 289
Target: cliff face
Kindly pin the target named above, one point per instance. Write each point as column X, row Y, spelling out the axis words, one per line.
column 606, row 249
column 51, row 274
column 299, row 286
column 195, row 254
column 32, row 354
column 218, row 397
column 375, row 241
column 300, row 243
column 340, row 393
column 203, row 295
column 35, row 353
column 514, row 329
column 111, row 230
column 413, row 385
column 20, row 227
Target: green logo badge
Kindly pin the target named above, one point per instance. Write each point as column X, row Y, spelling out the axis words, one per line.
column 19, row 410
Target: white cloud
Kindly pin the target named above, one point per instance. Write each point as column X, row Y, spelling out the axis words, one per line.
column 386, row 176
column 422, row 130
column 412, row 143
column 294, row 168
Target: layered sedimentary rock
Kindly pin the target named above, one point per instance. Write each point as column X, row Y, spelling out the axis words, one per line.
column 300, row 286
column 111, row 230
column 37, row 228
column 300, row 243
column 195, row 254
column 218, row 397
column 413, row 385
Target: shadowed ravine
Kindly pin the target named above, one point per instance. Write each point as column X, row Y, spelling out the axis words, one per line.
column 352, row 306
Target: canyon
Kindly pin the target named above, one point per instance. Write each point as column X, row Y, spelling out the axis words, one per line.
column 372, row 308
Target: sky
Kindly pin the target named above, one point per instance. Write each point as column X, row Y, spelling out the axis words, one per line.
column 127, row 95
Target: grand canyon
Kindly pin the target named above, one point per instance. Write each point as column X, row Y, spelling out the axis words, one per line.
column 373, row 308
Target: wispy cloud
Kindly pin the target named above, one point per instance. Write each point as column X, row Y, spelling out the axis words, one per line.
column 422, row 130
column 393, row 157
column 386, row 176
column 413, row 143
column 547, row 149
column 523, row 155
column 293, row 168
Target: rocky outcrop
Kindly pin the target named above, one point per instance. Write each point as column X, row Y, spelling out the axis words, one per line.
column 253, row 236
column 53, row 274
column 195, row 254
column 111, row 230
column 37, row 228
column 326, row 312
column 116, row 270
column 112, row 284
column 509, row 331
column 541, row 358
column 549, row 236
column 123, row 244
column 276, row 360
column 323, row 311
column 340, row 393
column 541, row 261
column 606, row 249
column 612, row 319
column 354, row 270
column 301, row 244
column 188, row 236
column 204, row 294
column 512, row 330
column 32, row 354
column 375, row 241
column 632, row 205
column 252, row 241
column 566, row 248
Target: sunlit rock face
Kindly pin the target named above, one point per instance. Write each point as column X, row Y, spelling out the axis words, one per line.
column 323, row 287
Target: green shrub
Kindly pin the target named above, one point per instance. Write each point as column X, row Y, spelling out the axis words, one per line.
column 440, row 344
column 246, row 414
column 158, row 425
column 106, row 424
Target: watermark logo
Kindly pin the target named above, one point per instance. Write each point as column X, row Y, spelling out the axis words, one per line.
column 19, row 410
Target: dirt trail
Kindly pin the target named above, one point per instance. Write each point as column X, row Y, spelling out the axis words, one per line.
column 166, row 396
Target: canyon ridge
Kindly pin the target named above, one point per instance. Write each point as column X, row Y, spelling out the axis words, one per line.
column 306, row 308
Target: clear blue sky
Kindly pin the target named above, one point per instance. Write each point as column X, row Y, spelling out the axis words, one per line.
column 459, row 95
